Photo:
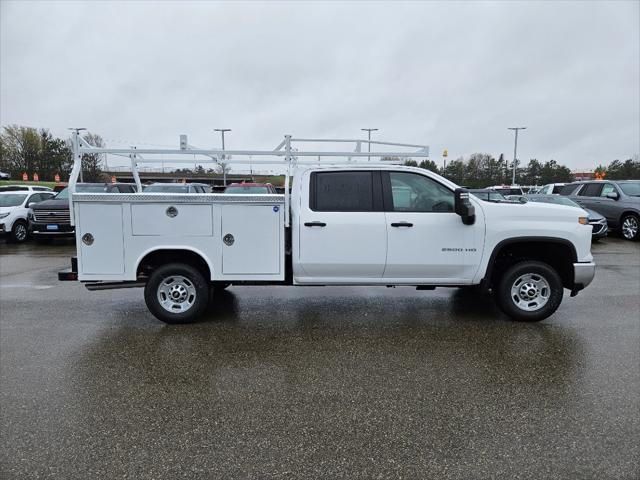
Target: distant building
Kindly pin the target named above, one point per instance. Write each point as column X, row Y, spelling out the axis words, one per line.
column 583, row 175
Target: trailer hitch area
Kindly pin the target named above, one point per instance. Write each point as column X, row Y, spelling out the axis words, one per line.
column 69, row 274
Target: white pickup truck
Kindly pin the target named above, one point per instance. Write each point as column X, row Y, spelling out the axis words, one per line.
column 373, row 224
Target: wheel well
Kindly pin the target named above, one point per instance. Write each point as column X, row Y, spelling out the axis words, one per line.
column 155, row 259
column 557, row 254
column 625, row 213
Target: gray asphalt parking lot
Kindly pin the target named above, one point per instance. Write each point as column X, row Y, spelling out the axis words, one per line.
column 317, row 382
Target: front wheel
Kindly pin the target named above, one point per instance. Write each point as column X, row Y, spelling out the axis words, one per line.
column 176, row 293
column 630, row 226
column 529, row 291
column 19, row 232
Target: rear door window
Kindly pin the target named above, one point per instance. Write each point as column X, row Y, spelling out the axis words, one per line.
column 345, row 192
column 591, row 190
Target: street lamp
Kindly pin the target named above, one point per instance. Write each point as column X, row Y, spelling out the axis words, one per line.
column 515, row 151
column 224, row 167
column 369, row 130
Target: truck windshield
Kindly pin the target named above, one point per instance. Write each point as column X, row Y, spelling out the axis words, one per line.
column 12, row 199
column 631, row 188
column 167, row 188
column 247, row 189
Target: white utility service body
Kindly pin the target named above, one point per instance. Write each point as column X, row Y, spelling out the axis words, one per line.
column 355, row 223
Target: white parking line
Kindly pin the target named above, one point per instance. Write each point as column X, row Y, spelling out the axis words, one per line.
column 35, row 287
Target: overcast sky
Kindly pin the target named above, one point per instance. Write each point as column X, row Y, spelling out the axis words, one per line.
column 449, row 75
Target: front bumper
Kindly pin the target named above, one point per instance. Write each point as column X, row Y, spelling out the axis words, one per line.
column 583, row 274
column 63, row 230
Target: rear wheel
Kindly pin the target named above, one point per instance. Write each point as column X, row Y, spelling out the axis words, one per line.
column 529, row 291
column 19, row 232
column 630, row 226
column 176, row 293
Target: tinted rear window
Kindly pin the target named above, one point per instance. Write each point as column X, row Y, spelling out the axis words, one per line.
column 569, row 189
column 591, row 190
column 342, row 191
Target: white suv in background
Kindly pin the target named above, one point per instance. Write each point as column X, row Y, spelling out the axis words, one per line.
column 14, row 208
column 551, row 189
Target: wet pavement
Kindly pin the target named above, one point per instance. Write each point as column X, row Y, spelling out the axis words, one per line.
column 317, row 382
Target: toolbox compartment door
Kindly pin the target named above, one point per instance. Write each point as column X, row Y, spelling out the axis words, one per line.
column 251, row 240
column 100, row 238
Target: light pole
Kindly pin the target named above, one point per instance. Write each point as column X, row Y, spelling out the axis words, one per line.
column 224, row 167
column 515, row 152
column 369, row 130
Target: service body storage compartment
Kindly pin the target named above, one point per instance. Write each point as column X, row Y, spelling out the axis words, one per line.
column 251, row 238
column 240, row 237
column 99, row 237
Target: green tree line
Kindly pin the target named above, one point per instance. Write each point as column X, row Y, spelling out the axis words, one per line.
column 30, row 150
column 26, row 149
column 482, row 170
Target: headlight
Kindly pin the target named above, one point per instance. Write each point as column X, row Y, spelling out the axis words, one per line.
column 583, row 220
column 30, row 215
column 3, row 215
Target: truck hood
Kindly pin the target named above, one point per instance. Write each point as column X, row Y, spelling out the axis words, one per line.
column 53, row 204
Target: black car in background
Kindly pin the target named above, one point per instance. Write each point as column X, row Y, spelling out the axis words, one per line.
column 597, row 221
column 617, row 200
column 50, row 219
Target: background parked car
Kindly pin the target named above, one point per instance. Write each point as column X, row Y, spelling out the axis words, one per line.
column 488, row 195
column 177, row 188
column 23, row 188
column 549, row 189
column 4, row 176
column 507, row 189
column 597, row 221
column 250, row 188
column 14, row 210
column 50, row 218
column 618, row 201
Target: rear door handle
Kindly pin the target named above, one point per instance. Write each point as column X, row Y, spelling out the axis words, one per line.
column 315, row 224
column 402, row 224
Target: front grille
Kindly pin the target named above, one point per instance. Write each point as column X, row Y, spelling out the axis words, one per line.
column 51, row 216
column 597, row 227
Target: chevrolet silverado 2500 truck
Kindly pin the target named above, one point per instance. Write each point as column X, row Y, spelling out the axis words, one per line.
column 373, row 223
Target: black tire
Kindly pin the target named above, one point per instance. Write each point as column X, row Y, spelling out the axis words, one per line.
column 630, row 227
column 543, row 309
column 187, row 284
column 19, row 231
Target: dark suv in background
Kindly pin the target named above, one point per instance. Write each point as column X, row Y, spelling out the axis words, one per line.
column 617, row 200
column 50, row 218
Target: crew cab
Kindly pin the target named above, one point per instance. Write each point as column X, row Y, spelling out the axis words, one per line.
column 361, row 224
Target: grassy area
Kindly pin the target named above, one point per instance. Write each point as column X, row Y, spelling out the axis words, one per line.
column 20, row 182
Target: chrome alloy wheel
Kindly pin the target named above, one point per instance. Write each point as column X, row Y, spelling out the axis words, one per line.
column 630, row 228
column 20, row 232
column 176, row 294
column 530, row 292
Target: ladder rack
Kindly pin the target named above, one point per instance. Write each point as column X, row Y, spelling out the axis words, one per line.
column 285, row 153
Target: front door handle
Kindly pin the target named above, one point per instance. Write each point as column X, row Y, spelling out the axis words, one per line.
column 402, row 224
column 315, row 224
